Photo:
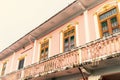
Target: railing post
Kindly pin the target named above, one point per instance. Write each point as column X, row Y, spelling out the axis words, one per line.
column 80, row 55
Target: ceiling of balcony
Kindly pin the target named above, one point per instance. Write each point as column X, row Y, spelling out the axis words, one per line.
column 74, row 9
column 111, row 61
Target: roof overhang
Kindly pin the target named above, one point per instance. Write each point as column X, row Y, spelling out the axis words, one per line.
column 71, row 11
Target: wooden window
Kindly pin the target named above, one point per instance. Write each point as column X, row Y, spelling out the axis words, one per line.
column 21, row 64
column 44, row 50
column 69, row 38
column 3, row 68
column 108, row 22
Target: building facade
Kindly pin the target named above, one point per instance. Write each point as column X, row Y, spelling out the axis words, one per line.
column 81, row 42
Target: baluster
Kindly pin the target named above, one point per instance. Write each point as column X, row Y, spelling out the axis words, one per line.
column 116, row 44
column 97, row 49
column 67, row 59
column 90, row 53
column 84, row 54
column 76, row 56
column 104, row 47
column 112, row 45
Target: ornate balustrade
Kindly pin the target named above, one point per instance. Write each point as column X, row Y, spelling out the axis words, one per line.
column 90, row 51
column 53, row 64
column 101, row 48
column 12, row 76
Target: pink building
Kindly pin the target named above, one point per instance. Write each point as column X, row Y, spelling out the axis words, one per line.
column 81, row 42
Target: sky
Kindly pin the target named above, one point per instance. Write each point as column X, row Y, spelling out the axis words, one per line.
column 18, row 17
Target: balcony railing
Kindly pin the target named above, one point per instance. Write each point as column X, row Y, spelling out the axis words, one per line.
column 101, row 48
column 88, row 52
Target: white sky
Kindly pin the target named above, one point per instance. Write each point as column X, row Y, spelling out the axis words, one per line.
column 18, row 17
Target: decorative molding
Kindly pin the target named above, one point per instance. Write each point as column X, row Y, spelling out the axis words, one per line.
column 106, row 7
column 69, row 25
column 5, row 61
column 44, row 39
column 23, row 56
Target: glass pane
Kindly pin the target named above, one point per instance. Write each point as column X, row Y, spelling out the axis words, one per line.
column 113, row 11
column 109, row 13
column 72, row 40
column 104, row 26
column 46, row 50
column 114, row 22
column 115, row 30
column 66, row 42
column 42, row 52
column 21, row 63
column 105, row 34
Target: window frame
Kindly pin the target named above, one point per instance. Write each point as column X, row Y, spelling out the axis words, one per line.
column 44, row 55
column 108, row 19
column 69, row 28
column 3, row 68
column 19, row 67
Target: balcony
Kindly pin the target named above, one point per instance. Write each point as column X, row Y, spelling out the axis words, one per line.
column 94, row 55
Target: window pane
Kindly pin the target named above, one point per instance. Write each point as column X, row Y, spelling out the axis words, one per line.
column 106, row 34
column 114, row 11
column 42, row 52
column 115, row 30
column 104, row 26
column 114, row 22
column 107, row 14
column 21, row 64
column 66, row 42
column 46, row 50
column 72, row 42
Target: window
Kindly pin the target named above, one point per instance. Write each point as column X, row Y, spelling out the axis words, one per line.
column 69, row 38
column 21, row 64
column 44, row 50
column 108, row 22
column 3, row 68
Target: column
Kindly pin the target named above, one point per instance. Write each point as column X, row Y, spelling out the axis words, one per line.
column 77, row 32
column 34, row 51
column 80, row 56
column 87, row 32
column 12, row 63
column 118, row 4
column 61, row 42
column 96, row 27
